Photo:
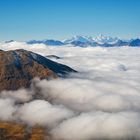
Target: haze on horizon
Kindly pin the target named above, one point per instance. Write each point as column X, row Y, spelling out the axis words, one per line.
column 60, row 19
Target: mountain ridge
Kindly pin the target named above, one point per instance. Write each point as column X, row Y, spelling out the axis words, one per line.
column 19, row 67
column 85, row 41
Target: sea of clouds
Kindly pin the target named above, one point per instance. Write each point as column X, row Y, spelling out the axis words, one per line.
column 101, row 101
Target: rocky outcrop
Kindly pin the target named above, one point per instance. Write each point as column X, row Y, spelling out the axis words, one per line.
column 53, row 56
column 19, row 67
column 16, row 131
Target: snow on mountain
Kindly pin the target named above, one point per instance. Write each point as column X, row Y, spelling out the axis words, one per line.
column 105, row 39
column 82, row 41
column 85, row 41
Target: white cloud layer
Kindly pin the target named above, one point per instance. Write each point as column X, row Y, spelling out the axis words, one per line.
column 102, row 101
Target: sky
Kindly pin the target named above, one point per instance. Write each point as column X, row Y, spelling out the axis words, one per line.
column 60, row 19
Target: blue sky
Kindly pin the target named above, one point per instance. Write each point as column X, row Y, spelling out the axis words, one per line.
column 59, row 19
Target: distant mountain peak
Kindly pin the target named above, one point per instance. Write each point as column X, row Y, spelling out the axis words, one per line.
column 79, row 38
column 9, row 41
column 50, row 42
column 106, row 39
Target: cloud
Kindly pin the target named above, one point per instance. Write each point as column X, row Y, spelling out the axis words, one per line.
column 99, row 125
column 21, row 95
column 91, row 95
column 43, row 113
column 102, row 101
column 7, row 109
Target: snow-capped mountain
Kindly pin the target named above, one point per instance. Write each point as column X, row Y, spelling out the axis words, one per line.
column 82, row 41
column 88, row 39
column 106, row 40
column 85, row 41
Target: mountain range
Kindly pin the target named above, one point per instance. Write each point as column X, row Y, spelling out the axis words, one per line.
column 85, row 41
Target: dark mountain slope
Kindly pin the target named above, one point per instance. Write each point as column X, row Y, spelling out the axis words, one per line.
column 19, row 67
